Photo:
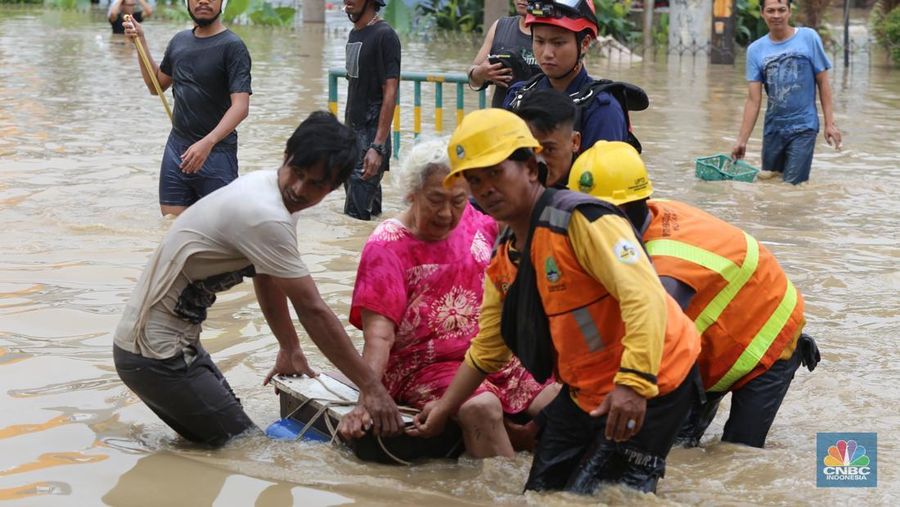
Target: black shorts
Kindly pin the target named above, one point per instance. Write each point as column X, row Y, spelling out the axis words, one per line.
column 192, row 397
column 573, row 454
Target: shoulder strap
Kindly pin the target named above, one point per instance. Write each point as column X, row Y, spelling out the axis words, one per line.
column 630, row 96
column 524, row 90
column 591, row 207
column 524, row 325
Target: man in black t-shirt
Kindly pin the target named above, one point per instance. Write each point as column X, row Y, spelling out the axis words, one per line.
column 373, row 72
column 208, row 68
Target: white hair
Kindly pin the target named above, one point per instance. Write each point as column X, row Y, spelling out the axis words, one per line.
column 425, row 158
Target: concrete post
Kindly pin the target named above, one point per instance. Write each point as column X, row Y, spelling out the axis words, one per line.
column 722, row 45
column 649, row 5
column 494, row 10
column 689, row 26
column 313, row 11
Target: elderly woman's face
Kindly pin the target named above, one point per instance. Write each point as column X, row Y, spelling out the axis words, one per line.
column 436, row 210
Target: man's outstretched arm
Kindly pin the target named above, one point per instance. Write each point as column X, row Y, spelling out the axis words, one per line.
column 329, row 336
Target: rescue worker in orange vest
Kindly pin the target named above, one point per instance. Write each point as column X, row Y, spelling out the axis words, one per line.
column 570, row 291
column 748, row 312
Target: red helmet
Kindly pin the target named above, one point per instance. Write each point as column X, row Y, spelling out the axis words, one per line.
column 573, row 15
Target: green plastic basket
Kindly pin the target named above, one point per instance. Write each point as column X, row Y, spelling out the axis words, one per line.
column 721, row 167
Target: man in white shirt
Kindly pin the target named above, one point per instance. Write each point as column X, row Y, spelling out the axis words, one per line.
column 247, row 228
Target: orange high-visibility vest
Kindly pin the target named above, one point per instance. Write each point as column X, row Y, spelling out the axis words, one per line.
column 744, row 306
column 585, row 320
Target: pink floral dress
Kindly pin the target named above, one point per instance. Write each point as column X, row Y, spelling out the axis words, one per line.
column 432, row 292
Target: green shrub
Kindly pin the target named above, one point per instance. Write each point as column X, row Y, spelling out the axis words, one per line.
column 465, row 16
column 613, row 18
column 398, row 15
column 264, row 14
column 888, row 33
column 661, row 30
column 749, row 24
column 234, row 9
column 173, row 11
column 70, row 4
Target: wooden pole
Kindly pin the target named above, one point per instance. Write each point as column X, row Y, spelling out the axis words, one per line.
column 846, row 33
column 146, row 62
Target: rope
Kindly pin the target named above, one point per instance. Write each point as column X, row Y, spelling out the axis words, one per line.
column 343, row 402
column 146, row 62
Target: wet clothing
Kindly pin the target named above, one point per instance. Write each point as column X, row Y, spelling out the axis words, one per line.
column 237, row 231
column 602, row 119
column 572, row 453
column 205, row 72
column 372, row 57
column 362, row 197
column 744, row 305
column 431, row 291
column 509, row 39
column 788, row 71
column 610, row 322
column 753, row 407
column 177, row 188
column 749, row 314
column 790, row 154
column 188, row 392
column 119, row 28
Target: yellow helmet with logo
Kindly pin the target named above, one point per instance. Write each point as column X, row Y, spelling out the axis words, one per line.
column 612, row 171
column 485, row 138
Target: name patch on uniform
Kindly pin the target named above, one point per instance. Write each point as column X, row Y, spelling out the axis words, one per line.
column 626, row 251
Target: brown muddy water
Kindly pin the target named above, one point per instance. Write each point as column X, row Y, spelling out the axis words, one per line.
column 80, row 145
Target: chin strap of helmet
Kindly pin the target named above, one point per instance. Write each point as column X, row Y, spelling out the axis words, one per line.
column 221, row 12
column 579, row 38
column 354, row 19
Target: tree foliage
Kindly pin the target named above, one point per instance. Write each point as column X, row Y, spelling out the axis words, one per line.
column 887, row 32
column 454, row 15
column 612, row 16
column 749, row 24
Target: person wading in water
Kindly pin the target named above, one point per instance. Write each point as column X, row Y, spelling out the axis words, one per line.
column 208, row 68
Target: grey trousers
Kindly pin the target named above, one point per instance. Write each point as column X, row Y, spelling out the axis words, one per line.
column 188, row 392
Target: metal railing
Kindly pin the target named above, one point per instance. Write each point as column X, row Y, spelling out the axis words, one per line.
column 417, row 78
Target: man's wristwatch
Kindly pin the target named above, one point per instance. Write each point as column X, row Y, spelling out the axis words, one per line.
column 379, row 148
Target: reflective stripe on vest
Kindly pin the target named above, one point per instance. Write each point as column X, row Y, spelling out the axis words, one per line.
column 558, row 221
column 736, row 277
column 761, row 342
column 588, row 329
column 556, row 218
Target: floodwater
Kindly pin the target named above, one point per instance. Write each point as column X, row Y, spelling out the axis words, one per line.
column 80, row 144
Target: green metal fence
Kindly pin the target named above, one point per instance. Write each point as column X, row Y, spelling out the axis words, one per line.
column 438, row 78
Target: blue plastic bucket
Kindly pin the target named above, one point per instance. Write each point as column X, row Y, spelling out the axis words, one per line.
column 288, row 429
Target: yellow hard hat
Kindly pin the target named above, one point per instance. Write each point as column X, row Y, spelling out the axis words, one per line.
column 612, row 171
column 485, row 138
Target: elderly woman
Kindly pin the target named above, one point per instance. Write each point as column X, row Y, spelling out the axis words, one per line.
column 417, row 298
